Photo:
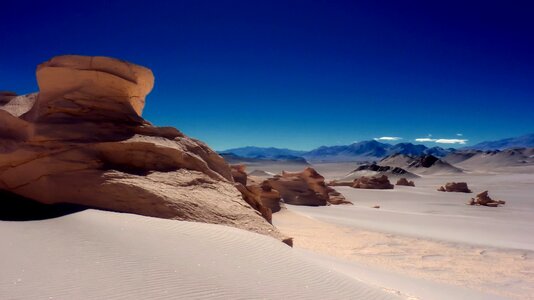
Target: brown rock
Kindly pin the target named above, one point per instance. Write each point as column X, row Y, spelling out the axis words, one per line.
column 268, row 196
column 459, row 187
column 340, row 183
column 484, row 199
column 239, row 174
column 305, row 188
column 84, row 142
column 404, row 181
column 376, row 206
column 375, row 182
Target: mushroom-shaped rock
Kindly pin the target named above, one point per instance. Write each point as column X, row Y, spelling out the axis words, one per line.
column 91, row 87
column 304, row 188
column 374, row 182
column 405, row 182
column 84, row 142
column 458, row 187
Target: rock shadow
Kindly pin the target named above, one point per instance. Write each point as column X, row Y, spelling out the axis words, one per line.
column 17, row 208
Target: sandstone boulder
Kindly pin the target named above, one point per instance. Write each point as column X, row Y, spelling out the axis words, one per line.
column 305, row 188
column 459, row 187
column 239, row 174
column 376, row 182
column 485, row 200
column 267, row 195
column 405, row 182
column 83, row 141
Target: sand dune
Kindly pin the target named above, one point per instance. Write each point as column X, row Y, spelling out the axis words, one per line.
column 103, row 255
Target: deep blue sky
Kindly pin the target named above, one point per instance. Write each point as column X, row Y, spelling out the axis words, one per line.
column 299, row 74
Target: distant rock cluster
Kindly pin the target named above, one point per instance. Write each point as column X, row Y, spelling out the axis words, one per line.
column 297, row 188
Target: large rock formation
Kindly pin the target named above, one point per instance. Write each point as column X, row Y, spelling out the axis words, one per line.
column 405, row 182
column 305, row 188
column 485, row 200
column 82, row 140
column 459, row 187
column 375, row 182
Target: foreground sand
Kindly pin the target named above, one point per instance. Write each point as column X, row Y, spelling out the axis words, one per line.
column 103, row 255
column 433, row 238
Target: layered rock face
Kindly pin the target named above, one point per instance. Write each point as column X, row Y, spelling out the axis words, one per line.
column 82, row 140
column 305, row 188
column 376, row 182
column 405, row 182
column 485, row 200
column 459, row 187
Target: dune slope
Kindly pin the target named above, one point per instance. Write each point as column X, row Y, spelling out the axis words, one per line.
column 103, row 255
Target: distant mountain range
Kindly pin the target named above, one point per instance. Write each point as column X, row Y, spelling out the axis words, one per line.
column 365, row 151
column 361, row 151
column 525, row 141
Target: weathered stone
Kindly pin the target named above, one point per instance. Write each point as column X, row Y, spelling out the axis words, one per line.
column 458, row 187
column 376, row 182
column 405, row 182
column 82, row 140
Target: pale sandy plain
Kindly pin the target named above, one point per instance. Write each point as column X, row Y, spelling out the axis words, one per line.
column 424, row 243
column 420, row 244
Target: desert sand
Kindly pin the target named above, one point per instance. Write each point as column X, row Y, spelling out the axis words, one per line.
column 421, row 235
column 104, row 255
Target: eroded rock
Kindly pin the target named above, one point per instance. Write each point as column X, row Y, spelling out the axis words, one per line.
column 485, row 200
column 305, row 188
column 82, row 140
column 375, row 182
column 405, row 182
column 458, row 187
column 239, row 174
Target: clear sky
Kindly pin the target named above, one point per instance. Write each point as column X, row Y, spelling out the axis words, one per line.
column 300, row 74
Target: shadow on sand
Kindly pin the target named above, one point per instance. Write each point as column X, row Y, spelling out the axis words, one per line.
column 17, row 208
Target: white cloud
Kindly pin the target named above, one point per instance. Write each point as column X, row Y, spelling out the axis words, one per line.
column 459, row 134
column 451, row 141
column 423, row 140
column 388, row 138
column 442, row 141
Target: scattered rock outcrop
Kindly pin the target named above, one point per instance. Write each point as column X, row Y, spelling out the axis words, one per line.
column 375, row 182
column 405, row 182
column 459, row 187
column 485, row 200
column 305, row 188
column 82, row 140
